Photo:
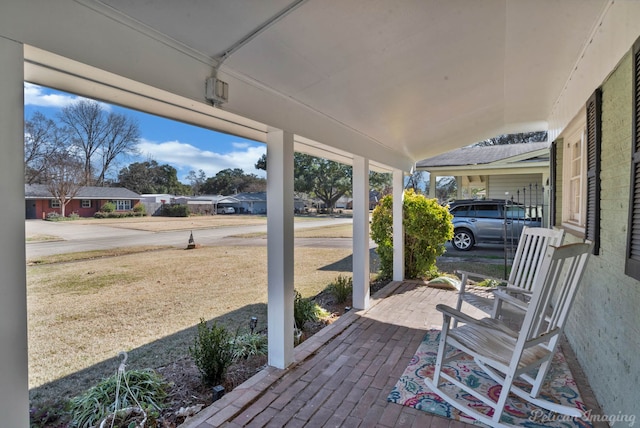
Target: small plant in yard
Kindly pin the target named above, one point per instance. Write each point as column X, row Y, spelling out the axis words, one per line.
column 54, row 216
column 305, row 310
column 249, row 345
column 341, row 288
column 145, row 387
column 212, row 352
column 49, row 414
column 140, row 209
column 491, row 283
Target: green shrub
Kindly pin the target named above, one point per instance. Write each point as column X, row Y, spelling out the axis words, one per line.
column 145, row 386
column 427, row 226
column 54, row 216
column 139, row 208
column 175, row 210
column 249, row 345
column 73, row 216
column 341, row 288
column 303, row 309
column 306, row 310
column 108, row 207
column 212, row 352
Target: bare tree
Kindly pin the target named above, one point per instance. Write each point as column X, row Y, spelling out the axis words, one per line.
column 415, row 181
column 65, row 175
column 99, row 137
column 42, row 139
column 196, row 181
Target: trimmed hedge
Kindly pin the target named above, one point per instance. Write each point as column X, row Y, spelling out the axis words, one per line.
column 175, row 211
column 117, row 214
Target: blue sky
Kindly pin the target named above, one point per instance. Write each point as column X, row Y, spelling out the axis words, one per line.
column 182, row 146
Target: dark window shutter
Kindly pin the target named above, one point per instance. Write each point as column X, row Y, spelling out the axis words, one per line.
column 632, row 265
column 553, row 168
column 594, row 137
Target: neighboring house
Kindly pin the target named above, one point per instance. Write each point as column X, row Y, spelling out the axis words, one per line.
column 494, row 172
column 39, row 202
column 246, row 203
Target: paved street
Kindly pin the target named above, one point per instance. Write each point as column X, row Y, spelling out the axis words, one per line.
column 82, row 237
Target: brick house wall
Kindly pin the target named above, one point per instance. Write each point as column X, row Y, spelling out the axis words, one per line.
column 604, row 326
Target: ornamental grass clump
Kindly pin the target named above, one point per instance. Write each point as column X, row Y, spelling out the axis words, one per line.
column 249, row 345
column 427, row 227
column 145, row 387
column 306, row 310
column 341, row 288
column 212, row 352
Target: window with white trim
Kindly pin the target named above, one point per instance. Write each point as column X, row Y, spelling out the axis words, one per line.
column 123, row 204
column 86, row 203
column 574, row 176
column 54, row 203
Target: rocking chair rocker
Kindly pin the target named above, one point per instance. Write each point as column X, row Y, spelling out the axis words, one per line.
column 505, row 354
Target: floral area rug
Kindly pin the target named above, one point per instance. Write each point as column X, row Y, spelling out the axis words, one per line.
column 411, row 390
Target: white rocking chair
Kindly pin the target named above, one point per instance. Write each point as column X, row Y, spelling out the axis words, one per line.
column 505, row 354
column 528, row 257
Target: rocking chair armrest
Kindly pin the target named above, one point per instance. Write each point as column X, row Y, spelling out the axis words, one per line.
column 448, row 312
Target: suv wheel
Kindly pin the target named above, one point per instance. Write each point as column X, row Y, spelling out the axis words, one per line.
column 462, row 240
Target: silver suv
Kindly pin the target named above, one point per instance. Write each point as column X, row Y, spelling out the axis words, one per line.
column 488, row 221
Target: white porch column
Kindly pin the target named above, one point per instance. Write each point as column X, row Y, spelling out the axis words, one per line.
column 432, row 185
column 14, row 382
column 398, row 228
column 360, row 232
column 458, row 187
column 280, row 247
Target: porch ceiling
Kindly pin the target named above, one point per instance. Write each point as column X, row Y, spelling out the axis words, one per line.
column 394, row 81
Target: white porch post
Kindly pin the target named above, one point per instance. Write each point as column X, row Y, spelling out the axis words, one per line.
column 458, row 186
column 280, row 247
column 432, row 185
column 398, row 229
column 360, row 232
column 14, row 382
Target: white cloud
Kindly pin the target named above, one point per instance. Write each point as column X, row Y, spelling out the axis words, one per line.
column 38, row 96
column 186, row 157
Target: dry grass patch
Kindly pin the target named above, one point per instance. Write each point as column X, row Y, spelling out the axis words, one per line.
column 81, row 313
column 94, row 254
column 43, row 238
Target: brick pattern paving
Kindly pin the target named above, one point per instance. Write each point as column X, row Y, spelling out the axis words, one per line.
column 343, row 375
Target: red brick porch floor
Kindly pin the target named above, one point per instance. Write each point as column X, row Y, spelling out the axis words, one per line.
column 342, row 375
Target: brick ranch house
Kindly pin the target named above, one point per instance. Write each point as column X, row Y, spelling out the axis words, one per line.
column 39, row 201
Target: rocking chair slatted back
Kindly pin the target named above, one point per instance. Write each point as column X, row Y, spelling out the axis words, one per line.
column 529, row 254
column 563, row 268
